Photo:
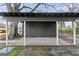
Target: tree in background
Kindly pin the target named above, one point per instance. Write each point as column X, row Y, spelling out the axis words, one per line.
column 74, row 7
column 61, row 26
column 77, row 24
column 14, row 7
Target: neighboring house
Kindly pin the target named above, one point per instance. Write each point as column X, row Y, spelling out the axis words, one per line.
column 41, row 24
column 2, row 30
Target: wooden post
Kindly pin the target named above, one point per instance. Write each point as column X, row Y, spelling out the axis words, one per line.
column 57, row 33
column 74, row 32
column 24, row 33
column 6, row 33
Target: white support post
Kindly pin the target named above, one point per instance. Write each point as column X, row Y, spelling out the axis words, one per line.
column 6, row 33
column 74, row 33
column 24, row 33
column 57, row 33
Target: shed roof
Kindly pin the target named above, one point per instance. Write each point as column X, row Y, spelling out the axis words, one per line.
column 23, row 14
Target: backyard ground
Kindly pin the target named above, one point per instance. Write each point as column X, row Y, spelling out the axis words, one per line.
column 61, row 50
column 45, row 51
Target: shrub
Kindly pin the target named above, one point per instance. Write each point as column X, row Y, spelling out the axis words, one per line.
column 13, row 52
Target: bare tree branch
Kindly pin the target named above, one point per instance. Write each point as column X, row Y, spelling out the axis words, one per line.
column 2, row 4
column 25, row 7
column 28, row 8
column 50, row 6
column 46, row 8
column 18, row 5
column 9, row 7
column 35, row 7
column 70, row 9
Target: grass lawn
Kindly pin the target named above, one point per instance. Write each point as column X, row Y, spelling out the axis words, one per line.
column 13, row 52
column 2, row 45
column 18, row 51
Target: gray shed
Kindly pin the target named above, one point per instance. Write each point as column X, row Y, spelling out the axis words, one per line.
column 40, row 24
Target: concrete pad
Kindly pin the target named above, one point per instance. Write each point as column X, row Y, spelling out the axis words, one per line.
column 36, row 41
column 6, row 50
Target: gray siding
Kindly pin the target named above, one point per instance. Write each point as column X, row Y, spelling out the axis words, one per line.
column 41, row 29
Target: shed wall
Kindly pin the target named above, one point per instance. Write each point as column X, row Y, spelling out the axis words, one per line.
column 41, row 29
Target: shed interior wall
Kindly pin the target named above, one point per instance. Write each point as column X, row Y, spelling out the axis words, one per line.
column 41, row 29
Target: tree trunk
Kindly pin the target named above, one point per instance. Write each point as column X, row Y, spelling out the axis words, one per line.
column 16, row 34
column 13, row 8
